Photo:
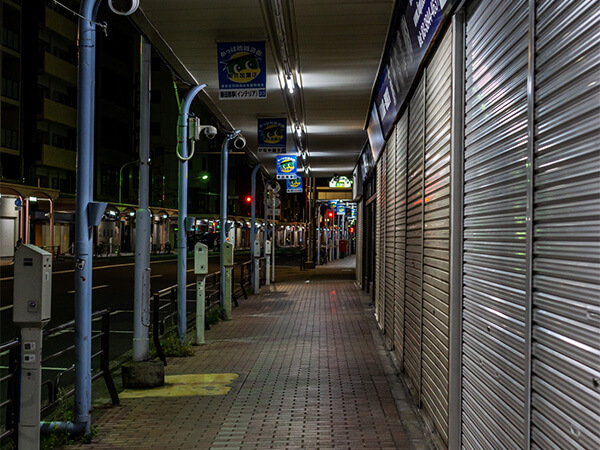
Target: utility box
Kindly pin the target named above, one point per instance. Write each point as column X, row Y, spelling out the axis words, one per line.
column 267, row 247
column 200, row 259
column 32, row 286
column 256, row 252
column 228, row 254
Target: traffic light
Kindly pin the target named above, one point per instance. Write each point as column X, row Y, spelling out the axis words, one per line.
column 330, row 214
column 248, row 199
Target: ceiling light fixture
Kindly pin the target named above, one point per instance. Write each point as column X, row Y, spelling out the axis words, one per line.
column 289, row 82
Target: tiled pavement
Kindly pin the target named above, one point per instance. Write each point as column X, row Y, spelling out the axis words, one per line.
column 310, row 372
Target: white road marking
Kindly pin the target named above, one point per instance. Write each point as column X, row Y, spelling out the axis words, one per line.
column 100, row 268
column 93, row 289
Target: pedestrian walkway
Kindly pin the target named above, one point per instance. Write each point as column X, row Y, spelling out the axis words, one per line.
column 299, row 366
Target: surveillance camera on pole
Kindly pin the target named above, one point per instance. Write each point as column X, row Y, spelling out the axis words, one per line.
column 123, row 7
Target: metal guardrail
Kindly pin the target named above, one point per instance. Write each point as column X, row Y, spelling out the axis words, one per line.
column 164, row 303
column 52, row 387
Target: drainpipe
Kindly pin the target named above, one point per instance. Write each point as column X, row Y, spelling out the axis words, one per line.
column 223, row 234
column 141, row 304
column 182, row 154
column 253, row 224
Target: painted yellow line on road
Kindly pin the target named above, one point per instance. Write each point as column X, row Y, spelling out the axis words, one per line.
column 187, row 385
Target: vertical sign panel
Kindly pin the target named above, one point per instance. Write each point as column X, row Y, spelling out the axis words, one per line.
column 242, row 70
column 272, row 135
column 286, row 167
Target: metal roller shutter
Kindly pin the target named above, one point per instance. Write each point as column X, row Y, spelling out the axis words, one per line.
column 566, row 283
column 359, row 243
column 379, row 243
column 390, row 229
column 414, row 241
column 436, row 239
column 495, row 192
column 401, row 134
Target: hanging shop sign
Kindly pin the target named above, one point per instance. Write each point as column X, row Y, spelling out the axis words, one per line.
column 414, row 25
column 294, row 185
column 287, row 166
column 272, row 135
column 341, row 209
column 353, row 213
column 242, row 70
column 332, row 205
column 343, row 182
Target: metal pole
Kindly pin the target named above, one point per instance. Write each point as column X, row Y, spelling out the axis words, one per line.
column 52, row 227
column 267, row 257
column 223, row 235
column 200, row 306
column 182, row 136
column 273, row 245
column 256, row 265
column 141, row 304
column 83, row 229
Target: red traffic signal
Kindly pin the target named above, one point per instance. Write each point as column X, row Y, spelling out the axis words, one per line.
column 330, row 214
column 248, row 199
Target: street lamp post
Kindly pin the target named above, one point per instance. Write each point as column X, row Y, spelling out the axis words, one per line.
column 137, row 161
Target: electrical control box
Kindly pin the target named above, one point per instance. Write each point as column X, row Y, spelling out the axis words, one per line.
column 228, row 254
column 256, row 252
column 32, row 287
column 267, row 247
column 200, row 259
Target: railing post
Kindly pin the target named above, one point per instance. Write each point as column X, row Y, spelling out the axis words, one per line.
column 105, row 358
column 242, row 280
column 155, row 326
column 14, row 358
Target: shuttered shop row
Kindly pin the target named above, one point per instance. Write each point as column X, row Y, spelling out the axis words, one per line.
column 529, row 269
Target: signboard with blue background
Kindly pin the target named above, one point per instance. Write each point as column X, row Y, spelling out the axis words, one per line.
column 415, row 23
column 287, row 167
column 341, row 209
column 272, row 135
column 242, row 70
column 294, row 185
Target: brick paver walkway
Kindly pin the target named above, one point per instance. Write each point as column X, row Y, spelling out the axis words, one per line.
column 310, row 376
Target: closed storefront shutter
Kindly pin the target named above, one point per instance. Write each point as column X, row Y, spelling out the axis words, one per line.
column 390, row 219
column 359, row 243
column 401, row 135
column 379, row 243
column 436, row 240
column 414, row 241
column 495, row 192
column 566, row 290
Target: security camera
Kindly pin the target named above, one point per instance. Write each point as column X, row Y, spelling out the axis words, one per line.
column 239, row 142
column 209, row 131
column 123, row 7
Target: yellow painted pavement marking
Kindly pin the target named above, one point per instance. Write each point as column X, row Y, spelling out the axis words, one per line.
column 187, row 385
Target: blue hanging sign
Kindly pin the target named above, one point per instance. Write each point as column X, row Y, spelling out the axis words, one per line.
column 242, row 70
column 294, row 185
column 272, row 135
column 341, row 209
column 287, row 167
column 332, row 205
column 353, row 213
